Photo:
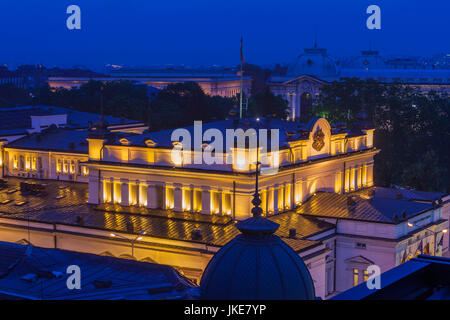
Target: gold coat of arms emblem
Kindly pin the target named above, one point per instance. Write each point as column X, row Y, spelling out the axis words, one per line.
column 318, row 140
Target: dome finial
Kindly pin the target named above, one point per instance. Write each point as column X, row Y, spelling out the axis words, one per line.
column 256, row 210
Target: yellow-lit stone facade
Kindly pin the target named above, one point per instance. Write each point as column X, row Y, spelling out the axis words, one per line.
column 146, row 175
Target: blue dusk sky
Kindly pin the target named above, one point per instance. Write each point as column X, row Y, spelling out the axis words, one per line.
column 205, row 32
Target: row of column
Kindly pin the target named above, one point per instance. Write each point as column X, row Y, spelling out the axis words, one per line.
column 357, row 177
column 154, row 195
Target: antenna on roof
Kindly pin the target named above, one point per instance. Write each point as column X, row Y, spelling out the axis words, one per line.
column 256, row 210
column 315, row 38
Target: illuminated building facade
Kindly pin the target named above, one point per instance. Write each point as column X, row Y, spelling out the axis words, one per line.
column 140, row 170
column 322, row 196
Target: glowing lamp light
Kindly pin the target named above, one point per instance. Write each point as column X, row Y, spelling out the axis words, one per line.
column 444, row 231
column 410, row 224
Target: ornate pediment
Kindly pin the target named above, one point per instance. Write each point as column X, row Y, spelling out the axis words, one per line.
column 359, row 260
column 318, row 140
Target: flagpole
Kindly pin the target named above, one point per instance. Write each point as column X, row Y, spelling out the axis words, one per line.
column 240, row 103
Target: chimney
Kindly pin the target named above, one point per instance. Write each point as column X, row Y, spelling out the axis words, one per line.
column 196, row 234
column 292, row 233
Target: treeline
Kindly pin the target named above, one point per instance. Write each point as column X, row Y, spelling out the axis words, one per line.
column 412, row 130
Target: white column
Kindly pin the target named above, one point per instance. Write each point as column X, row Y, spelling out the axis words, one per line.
column 93, row 187
column 125, row 192
column 275, row 199
column 220, row 204
column 206, row 200
column 138, row 190
column 152, row 197
column 177, row 198
column 192, row 197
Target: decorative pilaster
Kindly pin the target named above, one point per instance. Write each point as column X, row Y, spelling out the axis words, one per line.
column 125, row 192
column 178, row 198
column 206, row 200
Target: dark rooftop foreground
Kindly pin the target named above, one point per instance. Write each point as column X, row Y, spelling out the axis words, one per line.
column 28, row 272
column 422, row 278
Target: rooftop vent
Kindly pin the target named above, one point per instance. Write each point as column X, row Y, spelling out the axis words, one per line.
column 196, row 234
column 403, row 214
column 292, row 233
column 80, row 220
column 29, row 277
column 100, row 284
column 350, row 201
column 395, row 218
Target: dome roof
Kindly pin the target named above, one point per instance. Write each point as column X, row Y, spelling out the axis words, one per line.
column 315, row 62
column 369, row 59
column 257, row 265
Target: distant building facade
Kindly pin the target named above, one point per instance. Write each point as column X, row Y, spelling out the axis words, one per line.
column 314, row 68
column 213, row 84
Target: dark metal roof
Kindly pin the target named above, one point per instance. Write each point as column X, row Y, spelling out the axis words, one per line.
column 39, row 273
column 394, row 193
column 55, row 139
column 378, row 209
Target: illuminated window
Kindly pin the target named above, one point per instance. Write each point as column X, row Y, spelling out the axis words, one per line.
column 33, row 163
column 58, row 165
column 366, row 275
column 72, row 166
column 85, row 171
column 15, row 162
column 355, row 277
column 169, row 198
column 65, row 166
column 27, row 162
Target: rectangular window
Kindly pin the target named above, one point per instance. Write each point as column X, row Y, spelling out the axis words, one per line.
column 33, row 163
column 72, row 166
column 366, row 275
column 65, row 166
column 355, row 277
column 21, row 163
column 58, row 165
column 360, row 245
column 169, row 198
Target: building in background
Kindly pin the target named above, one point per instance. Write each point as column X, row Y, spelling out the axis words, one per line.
column 17, row 122
column 213, row 83
column 315, row 67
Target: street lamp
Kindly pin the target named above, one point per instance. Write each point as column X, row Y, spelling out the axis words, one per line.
column 410, row 224
column 132, row 241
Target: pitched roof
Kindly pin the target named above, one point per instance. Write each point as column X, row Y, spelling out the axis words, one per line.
column 56, row 139
column 39, row 273
column 377, row 209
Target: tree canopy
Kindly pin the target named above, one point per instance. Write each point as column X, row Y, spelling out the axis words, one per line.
column 412, row 129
